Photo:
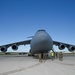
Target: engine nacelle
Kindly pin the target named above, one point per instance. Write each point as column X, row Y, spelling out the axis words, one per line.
column 71, row 48
column 14, row 47
column 3, row 49
column 61, row 46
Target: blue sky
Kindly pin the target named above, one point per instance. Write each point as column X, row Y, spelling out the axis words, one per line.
column 22, row 18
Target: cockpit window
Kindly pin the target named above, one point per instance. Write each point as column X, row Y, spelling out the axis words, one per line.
column 41, row 30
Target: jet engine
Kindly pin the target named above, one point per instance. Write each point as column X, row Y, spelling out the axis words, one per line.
column 61, row 46
column 14, row 47
column 71, row 48
column 3, row 49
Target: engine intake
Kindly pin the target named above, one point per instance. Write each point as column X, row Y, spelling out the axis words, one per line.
column 71, row 48
column 3, row 49
column 61, row 46
column 14, row 47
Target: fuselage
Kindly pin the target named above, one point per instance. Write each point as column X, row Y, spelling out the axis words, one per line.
column 41, row 42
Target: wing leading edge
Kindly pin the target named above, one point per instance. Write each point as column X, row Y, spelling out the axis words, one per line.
column 62, row 45
column 15, row 45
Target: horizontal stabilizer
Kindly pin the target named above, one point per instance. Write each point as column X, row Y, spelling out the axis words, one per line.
column 30, row 37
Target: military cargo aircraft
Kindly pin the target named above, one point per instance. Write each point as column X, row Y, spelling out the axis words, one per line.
column 41, row 42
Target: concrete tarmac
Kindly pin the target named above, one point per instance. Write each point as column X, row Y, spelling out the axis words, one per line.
column 24, row 65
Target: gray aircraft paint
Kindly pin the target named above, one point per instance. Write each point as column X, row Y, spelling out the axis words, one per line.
column 41, row 42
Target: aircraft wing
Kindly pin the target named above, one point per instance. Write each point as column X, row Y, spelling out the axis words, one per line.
column 62, row 45
column 14, row 45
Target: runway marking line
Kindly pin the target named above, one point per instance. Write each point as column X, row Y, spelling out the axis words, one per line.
column 21, row 69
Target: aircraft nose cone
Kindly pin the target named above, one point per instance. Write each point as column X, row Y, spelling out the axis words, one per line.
column 44, row 40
